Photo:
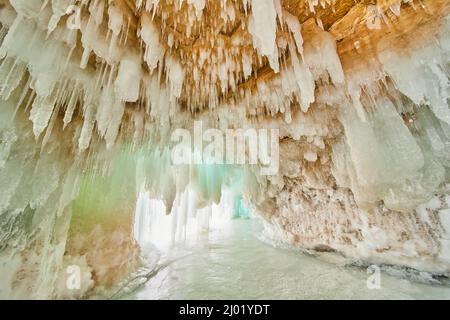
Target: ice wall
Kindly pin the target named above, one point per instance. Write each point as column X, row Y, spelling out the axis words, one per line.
column 90, row 92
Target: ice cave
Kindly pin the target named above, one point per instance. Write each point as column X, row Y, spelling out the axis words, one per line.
column 224, row 149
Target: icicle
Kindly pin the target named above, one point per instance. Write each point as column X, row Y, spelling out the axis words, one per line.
column 88, row 126
column 304, row 80
column 295, row 28
column 128, row 81
column 263, row 28
column 115, row 122
column 154, row 50
column 175, row 76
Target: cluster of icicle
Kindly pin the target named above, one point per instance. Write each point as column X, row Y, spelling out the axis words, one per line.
column 94, row 57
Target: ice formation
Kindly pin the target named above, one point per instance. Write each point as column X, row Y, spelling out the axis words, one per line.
column 90, row 91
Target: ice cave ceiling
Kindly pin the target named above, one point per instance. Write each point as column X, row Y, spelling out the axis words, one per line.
column 90, row 91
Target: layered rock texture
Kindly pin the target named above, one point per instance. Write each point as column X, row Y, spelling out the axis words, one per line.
column 91, row 90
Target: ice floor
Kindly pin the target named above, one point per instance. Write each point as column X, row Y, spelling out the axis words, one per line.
column 233, row 263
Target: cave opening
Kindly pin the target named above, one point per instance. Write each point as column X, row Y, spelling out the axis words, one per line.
column 153, row 226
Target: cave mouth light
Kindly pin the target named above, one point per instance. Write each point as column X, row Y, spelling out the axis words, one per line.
column 154, row 228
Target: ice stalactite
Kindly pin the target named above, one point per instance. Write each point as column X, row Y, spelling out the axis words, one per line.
column 263, row 27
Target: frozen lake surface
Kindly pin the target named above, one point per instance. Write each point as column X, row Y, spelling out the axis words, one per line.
column 231, row 262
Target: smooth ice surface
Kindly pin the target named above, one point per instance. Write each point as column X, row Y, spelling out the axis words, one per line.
column 230, row 262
